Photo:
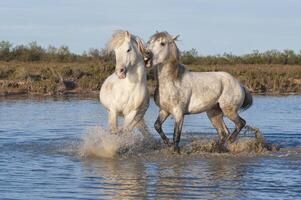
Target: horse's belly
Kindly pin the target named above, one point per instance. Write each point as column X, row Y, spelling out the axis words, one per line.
column 200, row 104
column 198, row 108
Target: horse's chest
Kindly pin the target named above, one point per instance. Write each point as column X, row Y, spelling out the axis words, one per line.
column 133, row 100
column 169, row 97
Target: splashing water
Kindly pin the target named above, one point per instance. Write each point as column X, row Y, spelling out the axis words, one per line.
column 99, row 142
column 245, row 145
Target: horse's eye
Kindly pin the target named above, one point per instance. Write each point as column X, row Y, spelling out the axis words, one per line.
column 128, row 50
column 162, row 44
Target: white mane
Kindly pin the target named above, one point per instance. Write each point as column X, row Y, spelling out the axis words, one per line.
column 118, row 38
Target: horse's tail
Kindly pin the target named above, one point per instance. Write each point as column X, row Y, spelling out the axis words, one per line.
column 248, row 101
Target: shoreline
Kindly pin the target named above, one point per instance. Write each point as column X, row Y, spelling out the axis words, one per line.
column 95, row 94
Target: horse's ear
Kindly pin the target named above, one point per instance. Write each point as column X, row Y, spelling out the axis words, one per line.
column 175, row 38
column 128, row 35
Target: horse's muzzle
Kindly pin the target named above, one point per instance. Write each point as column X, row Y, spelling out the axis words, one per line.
column 121, row 73
column 148, row 59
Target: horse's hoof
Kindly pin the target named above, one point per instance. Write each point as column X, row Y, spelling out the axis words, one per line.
column 222, row 141
column 176, row 149
column 166, row 142
column 232, row 138
column 222, row 146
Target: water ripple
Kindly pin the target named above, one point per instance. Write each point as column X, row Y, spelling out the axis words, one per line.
column 41, row 141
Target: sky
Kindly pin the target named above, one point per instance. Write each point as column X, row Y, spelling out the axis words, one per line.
column 211, row 26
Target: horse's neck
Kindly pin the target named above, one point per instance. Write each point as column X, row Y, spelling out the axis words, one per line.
column 137, row 74
column 168, row 72
column 162, row 78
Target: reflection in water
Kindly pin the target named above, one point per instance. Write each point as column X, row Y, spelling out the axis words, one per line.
column 169, row 180
column 119, row 179
column 173, row 178
column 222, row 171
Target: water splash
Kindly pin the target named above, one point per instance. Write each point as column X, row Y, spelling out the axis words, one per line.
column 253, row 142
column 99, row 142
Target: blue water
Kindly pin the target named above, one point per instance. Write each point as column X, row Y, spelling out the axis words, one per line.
column 40, row 143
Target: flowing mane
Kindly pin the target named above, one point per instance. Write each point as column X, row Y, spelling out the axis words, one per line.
column 118, row 38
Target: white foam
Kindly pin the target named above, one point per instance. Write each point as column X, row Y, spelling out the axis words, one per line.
column 99, row 142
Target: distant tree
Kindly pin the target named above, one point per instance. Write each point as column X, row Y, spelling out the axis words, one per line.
column 63, row 53
column 189, row 57
column 290, row 57
column 35, row 52
column 5, row 48
column 94, row 53
column 51, row 53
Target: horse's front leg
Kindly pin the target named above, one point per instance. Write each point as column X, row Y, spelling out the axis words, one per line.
column 112, row 118
column 177, row 132
column 131, row 120
column 142, row 127
column 158, row 126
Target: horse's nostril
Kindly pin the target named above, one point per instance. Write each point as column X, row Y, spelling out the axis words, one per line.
column 122, row 70
column 149, row 54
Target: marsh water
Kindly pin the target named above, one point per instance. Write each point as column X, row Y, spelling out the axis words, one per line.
column 58, row 148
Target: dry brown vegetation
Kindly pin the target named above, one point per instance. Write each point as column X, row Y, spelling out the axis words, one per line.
column 52, row 78
column 57, row 78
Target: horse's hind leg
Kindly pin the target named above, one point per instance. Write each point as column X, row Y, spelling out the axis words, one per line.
column 158, row 125
column 237, row 120
column 216, row 117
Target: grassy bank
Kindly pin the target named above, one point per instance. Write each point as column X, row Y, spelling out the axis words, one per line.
column 85, row 78
column 52, row 78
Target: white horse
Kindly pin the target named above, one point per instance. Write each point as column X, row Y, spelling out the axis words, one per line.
column 125, row 92
column 180, row 92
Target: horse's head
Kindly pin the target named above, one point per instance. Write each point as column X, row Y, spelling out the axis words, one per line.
column 128, row 49
column 163, row 48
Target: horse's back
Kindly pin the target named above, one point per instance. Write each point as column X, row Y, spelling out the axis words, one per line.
column 210, row 88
